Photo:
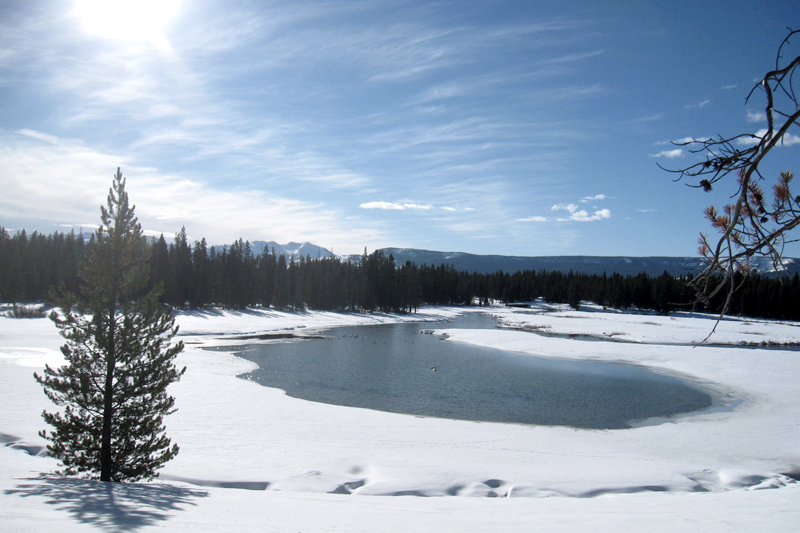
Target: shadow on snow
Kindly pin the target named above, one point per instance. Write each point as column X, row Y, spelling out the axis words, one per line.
column 110, row 506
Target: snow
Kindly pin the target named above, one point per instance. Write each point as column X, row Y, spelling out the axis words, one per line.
column 252, row 457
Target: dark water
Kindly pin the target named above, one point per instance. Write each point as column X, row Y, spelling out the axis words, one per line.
column 395, row 368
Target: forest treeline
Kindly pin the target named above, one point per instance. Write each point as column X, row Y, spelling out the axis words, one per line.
column 196, row 275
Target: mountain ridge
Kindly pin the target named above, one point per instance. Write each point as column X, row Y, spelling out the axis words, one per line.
column 487, row 264
column 582, row 264
column 291, row 249
column 490, row 263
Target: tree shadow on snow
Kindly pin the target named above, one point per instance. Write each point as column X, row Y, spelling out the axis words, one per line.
column 110, row 506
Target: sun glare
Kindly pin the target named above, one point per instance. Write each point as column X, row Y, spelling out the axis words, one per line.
column 128, row 20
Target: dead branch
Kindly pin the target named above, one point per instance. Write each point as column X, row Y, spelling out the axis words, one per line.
column 750, row 226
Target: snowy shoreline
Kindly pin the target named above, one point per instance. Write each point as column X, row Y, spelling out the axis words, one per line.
column 700, row 469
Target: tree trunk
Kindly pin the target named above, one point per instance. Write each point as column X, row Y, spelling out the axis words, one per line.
column 108, row 404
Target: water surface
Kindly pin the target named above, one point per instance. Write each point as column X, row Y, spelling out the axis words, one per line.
column 395, row 368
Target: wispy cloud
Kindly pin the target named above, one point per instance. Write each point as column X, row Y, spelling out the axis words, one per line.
column 409, row 51
column 684, row 141
column 275, row 120
column 399, row 206
column 669, row 154
column 533, row 219
column 395, row 206
column 570, row 58
column 699, row 105
column 165, row 201
column 756, row 116
column 645, row 119
column 594, row 198
column 441, row 92
column 730, row 87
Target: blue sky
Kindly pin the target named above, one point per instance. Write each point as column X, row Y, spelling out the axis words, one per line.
column 490, row 127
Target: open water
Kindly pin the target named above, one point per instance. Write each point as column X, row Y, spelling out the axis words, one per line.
column 397, row 368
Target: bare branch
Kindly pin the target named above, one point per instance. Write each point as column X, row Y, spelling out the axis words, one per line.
column 749, row 227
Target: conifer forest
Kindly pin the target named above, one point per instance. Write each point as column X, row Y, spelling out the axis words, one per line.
column 198, row 276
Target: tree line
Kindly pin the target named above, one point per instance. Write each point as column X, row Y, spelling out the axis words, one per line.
column 197, row 275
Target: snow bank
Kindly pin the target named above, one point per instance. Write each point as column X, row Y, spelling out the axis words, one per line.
column 253, row 457
column 649, row 328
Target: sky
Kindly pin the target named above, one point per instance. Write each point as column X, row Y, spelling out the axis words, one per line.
column 491, row 127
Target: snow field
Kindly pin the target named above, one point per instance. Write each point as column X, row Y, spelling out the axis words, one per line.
column 252, row 456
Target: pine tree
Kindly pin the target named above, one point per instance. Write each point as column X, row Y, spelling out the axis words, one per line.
column 160, row 271
column 281, row 283
column 201, row 281
column 119, row 359
column 180, row 261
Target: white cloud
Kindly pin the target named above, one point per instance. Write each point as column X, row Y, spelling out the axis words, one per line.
column 62, row 181
column 699, row 105
column 751, row 141
column 581, row 215
column 584, row 216
column 756, row 116
column 396, row 207
column 669, row 154
column 684, row 141
column 596, row 197
column 729, row 87
column 564, row 207
column 381, row 205
column 151, row 233
column 532, row 219
column 788, row 139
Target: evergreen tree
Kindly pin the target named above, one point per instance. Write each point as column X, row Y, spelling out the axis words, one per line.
column 12, row 287
column 119, row 359
column 160, row 271
column 281, row 283
column 180, row 261
column 201, row 282
column 266, row 284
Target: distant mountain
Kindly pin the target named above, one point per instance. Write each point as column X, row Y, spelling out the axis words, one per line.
column 626, row 266
column 291, row 250
column 485, row 264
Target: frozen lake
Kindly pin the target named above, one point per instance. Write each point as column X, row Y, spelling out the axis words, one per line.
column 397, row 369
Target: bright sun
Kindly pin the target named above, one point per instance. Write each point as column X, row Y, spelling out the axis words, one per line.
column 128, row 20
